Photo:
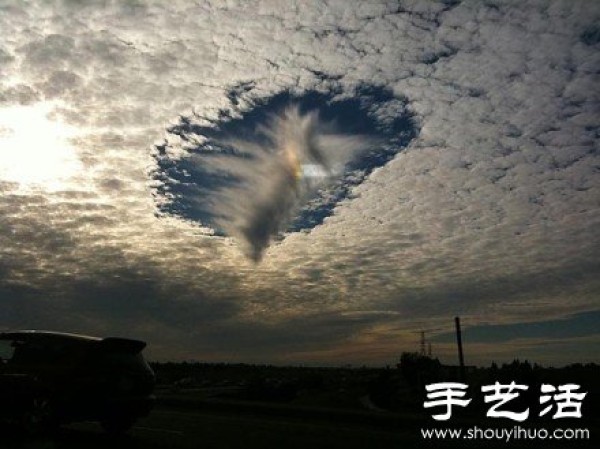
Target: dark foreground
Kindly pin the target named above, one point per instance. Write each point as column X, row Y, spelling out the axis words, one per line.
column 182, row 428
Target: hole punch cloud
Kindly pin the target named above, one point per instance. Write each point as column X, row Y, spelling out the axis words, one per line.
column 283, row 166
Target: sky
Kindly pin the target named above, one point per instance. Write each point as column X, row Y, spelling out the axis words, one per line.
column 310, row 182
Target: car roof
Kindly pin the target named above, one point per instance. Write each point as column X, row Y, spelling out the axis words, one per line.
column 114, row 343
column 42, row 335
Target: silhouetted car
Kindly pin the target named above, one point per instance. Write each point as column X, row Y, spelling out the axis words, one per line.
column 51, row 378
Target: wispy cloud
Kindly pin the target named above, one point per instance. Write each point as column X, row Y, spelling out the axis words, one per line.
column 276, row 171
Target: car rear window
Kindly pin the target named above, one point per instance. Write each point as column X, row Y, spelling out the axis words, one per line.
column 51, row 351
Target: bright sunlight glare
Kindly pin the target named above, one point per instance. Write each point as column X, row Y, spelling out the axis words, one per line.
column 35, row 151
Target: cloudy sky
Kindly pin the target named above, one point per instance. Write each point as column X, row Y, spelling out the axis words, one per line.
column 303, row 182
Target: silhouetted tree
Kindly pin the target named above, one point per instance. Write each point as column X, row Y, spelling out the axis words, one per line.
column 418, row 369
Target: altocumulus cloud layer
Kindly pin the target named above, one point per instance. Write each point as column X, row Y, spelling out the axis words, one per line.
column 491, row 211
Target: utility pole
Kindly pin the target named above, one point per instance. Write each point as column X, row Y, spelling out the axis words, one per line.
column 461, row 358
column 423, row 343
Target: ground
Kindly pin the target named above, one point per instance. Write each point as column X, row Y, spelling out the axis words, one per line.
column 247, row 428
